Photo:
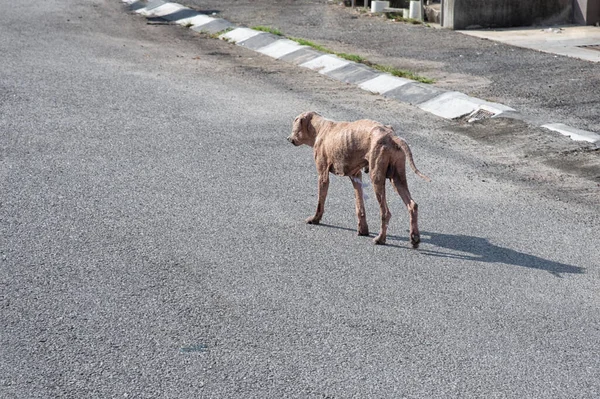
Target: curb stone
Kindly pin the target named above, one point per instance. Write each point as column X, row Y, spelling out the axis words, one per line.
column 413, row 93
column 282, row 48
column 574, row 133
column 325, row 63
column 383, row 83
column 259, row 41
column 300, row 56
column 450, row 105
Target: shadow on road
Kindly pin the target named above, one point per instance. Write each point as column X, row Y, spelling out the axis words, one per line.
column 481, row 250
column 478, row 249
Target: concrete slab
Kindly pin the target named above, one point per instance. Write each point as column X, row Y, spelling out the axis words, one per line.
column 414, row 93
column 573, row 133
column 162, row 10
column 280, row 48
column 184, row 13
column 302, row 55
column 325, row 63
column 353, row 73
column 562, row 40
column 135, row 5
column 215, row 26
column 239, row 35
column 259, row 41
column 452, row 105
column 196, row 20
column 383, row 83
column 154, row 3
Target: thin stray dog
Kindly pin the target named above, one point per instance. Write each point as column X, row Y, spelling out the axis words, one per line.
column 345, row 148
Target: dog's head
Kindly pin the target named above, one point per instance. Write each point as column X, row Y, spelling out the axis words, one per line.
column 302, row 131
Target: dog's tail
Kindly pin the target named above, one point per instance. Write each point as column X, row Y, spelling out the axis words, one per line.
column 403, row 145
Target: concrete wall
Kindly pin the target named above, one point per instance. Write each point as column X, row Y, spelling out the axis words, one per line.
column 586, row 12
column 462, row 14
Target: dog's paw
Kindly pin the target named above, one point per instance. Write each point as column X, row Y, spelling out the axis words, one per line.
column 379, row 240
column 313, row 220
column 415, row 239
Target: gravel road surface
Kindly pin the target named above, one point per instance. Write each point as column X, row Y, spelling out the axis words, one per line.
column 152, row 241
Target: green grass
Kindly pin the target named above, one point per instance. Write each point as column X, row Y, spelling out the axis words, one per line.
column 268, row 29
column 317, row 47
column 400, row 18
column 401, row 73
column 352, row 57
column 217, row 34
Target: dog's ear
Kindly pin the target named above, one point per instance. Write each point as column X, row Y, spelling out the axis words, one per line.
column 306, row 118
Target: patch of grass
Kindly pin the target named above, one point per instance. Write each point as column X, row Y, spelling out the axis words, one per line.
column 317, row 47
column 401, row 73
column 352, row 57
column 398, row 17
column 216, row 35
column 273, row 31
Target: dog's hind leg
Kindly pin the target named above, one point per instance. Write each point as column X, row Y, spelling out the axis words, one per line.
column 322, row 193
column 378, row 170
column 398, row 179
column 363, row 228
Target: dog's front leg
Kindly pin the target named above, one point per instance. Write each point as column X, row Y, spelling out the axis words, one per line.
column 363, row 228
column 323, row 187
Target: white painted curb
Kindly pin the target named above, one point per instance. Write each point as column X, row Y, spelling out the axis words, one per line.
column 454, row 105
column 160, row 11
column 573, row 133
column 239, row 34
column 280, row 48
column 197, row 20
column 325, row 63
column 383, row 83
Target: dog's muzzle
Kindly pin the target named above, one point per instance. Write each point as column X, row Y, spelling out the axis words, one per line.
column 291, row 140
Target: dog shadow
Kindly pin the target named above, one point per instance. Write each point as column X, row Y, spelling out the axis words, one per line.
column 464, row 247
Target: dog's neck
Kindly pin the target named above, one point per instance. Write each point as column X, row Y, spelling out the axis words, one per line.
column 317, row 124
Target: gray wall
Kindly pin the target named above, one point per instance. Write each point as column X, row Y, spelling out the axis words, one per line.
column 462, row 14
column 586, row 12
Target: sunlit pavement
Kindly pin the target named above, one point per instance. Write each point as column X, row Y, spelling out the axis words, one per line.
column 581, row 42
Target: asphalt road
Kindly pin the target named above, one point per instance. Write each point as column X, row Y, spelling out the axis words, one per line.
column 152, row 241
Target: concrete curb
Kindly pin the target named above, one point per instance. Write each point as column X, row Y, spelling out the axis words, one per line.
column 445, row 104
column 574, row 133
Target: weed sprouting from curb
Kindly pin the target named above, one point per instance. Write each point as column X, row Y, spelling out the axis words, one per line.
column 273, row 31
column 352, row 57
column 304, row 42
column 318, row 47
column 217, row 34
column 401, row 73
